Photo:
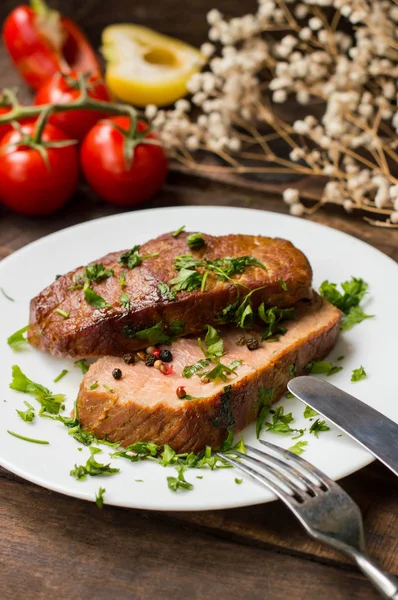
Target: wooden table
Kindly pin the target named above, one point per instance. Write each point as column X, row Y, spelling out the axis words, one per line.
column 53, row 546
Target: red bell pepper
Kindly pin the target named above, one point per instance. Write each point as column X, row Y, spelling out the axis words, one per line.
column 41, row 42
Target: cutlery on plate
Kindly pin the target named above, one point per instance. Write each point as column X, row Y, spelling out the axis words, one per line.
column 323, row 508
column 371, row 429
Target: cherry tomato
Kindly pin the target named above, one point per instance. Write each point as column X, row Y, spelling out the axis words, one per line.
column 104, row 164
column 41, row 42
column 63, row 89
column 27, row 184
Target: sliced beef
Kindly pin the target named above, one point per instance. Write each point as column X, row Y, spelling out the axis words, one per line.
column 143, row 405
column 90, row 331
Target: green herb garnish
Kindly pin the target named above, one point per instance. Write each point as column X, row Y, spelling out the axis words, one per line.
column 238, row 481
column 318, row 426
column 195, row 241
column 187, row 280
column 96, row 272
column 191, row 370
column 272, row 317
column 93, row 386
column 165, row 292
column 124, row 300
column 178, row 231
column 107, row 387
column 322, row 367
column 298, row 448
column 6, row 295
column 60, row 376
column 310, row 412
column 92, row 467
column 179, row 482
column 51, row 403
column 132, row 258
column 358, row 374
column 213, row 349
column 27, row 415
column 63, row 313
column 26, row 439
column 82, row 364
column 283, row 284
column 17, row 339
column 265, row 396
column 122, row 279
column 91, row 297
column 99, row 497
column 348, row 301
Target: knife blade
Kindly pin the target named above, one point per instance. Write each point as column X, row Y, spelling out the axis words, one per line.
column 370, row 428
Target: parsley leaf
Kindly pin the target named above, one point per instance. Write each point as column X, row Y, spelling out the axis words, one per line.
column 213, row 349
column 61, row 375
column 283, row 284
column 124, row 300
column 179, row 482
column 27, row 415
column 358, row 374
column 96, row 272
column 165, row 292
column 309, row 412
column 298, row 448
column 132, row 258
column 51, row 403
column 186, row 280
column 227, row 444
column 191, row 370
column 348, row 302
column 92, row 468
column 322, row 367
column 265, row 396
column 153, row 335
column 178, row 231
column 195, row 241
column 281, row 423
column 214, row 343
column 318, row 426
column 99, row 497
column 82, row 364
column 17, row 339
column 122, row 279
column 26, row 439
column 91, row 297
column 238, row 481
column 272, row 318
column 221, row 371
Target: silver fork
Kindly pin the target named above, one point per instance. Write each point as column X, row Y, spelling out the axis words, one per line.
column 323, row 508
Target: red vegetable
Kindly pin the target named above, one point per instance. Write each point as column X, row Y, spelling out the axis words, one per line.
column 6, row 127
column 31, row 183
column 63, row 89
column 41, row 42
column 107, row 169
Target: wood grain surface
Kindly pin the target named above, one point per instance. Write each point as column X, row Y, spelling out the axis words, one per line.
column 52, row 546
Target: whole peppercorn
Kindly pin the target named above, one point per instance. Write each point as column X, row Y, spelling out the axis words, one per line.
column 116, row 374
column 150, row 360
column 252, row 344
column 166, row 356
column 157, row 364
column 150, row 349
column 240, row 341
column 141, row 355
column 181, row 393
column 129, row 359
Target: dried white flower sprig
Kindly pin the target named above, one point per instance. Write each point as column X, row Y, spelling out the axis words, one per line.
column 338, row 58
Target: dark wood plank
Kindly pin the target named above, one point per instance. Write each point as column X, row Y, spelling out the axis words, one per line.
column 59, row 547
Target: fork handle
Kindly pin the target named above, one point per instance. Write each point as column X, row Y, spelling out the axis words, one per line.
column 383, row 582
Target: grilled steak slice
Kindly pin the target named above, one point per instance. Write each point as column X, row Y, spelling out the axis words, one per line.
column 81, row 329
column 143, row 405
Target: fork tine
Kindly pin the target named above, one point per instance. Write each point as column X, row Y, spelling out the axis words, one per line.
column 265, row 479
column 308, row 482
column 302, row 464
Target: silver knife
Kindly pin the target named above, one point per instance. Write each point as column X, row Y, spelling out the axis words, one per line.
column 371, row 429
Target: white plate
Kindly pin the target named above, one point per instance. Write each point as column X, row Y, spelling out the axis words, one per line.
column 333, row 255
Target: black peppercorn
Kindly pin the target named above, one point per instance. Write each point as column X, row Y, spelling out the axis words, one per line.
column 252, row 344
column 129, row 359
column 240, row 341
column 166, row 356
column 116, row 374
column 150, row 360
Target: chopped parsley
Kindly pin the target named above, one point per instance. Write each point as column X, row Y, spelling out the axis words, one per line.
column 165, row 292
column 124, row 300
column 6, row 295
column 213, row 349
column 17, row 339
column 93, row 386
column 27, row 439
column 186, row 280
column 122, row 279
column 62, row 313
column 283, row 284
column 281, row 422
column 61, row 375
column 265, row 396
column 179, row 482
column 298, row 448
column 309, row 412
column 92, row 467
column 99, row 497
column 50, row 403
column 348, row 301
column 318, row 426
column 178, row 231
column 97, row 272
column 110, row 390
column 82, row 364
column 238, row 481
column 91, row 297
column 340, row 357
column 27, row 415
column 358, row 374
column 132, row 258
column 322, row 367
column 272, row 317
column 195, row 241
